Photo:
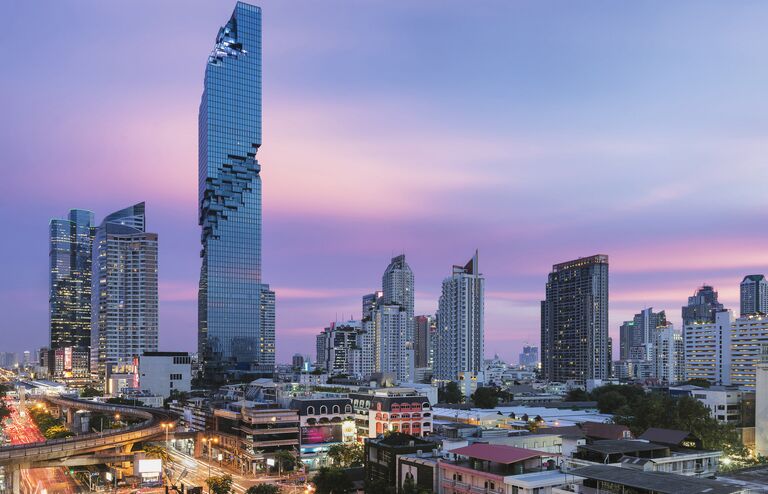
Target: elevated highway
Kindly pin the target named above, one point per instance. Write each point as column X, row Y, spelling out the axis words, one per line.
column 67, row 450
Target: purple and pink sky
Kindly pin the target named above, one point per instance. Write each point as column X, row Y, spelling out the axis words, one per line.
column 534, row 131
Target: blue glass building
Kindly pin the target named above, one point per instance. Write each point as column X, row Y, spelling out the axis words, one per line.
column 235, row 310
column 69, row 300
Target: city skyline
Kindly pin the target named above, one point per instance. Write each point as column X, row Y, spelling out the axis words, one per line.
column 659, row 163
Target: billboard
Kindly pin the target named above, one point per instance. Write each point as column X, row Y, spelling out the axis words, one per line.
column 150, row 466
column 319, row 434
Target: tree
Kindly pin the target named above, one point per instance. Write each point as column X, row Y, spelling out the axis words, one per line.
column 611, row 402
column 329, row 480
column 485, row 398
column 697, row 381
column 450, row 393
column 221, row 484
column 285, row 459
column 577, row 394
column 57, row 431
column 263, row 489
column 346, row 455
column 379, row 486
column 156, row 451
column 90, row 392
column 4, row 410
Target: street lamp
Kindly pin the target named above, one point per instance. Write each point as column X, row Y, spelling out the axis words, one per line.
column 167, row 426
column 210, row 440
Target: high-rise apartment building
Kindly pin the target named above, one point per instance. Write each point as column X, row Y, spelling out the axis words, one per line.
column 702, row 306
column 393, row 349
column 460, row 345
column 397, row 285
column 370, row 302
column 636, row 337
column 235, row 310
column 70, row 257
column 124, row 292
column 425, row 326
column 668, row 354
column 754, row 295
column 574, row 321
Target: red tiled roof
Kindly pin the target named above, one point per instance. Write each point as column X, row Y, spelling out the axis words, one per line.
column 497, row 453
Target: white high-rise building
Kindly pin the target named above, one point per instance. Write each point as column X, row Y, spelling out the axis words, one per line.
column 669, row 355
column 347, row 347
column 124, row 293
column 460, row 345
column 394, row 347
column 397, row 285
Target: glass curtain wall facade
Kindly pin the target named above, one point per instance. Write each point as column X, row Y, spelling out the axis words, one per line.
column 235, row 310
column 71, row 240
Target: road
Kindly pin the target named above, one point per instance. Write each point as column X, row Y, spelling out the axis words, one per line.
column 197, row 471
column 22, row 430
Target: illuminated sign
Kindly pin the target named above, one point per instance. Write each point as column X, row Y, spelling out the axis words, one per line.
column 150, row 466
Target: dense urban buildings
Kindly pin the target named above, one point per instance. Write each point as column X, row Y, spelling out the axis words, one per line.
column 636, row 336
column 702, row 306
column 125, row 304
column 346, row 348
column 574, row 321
column 754, row 295
column 235, row 310
column 529, row 358
column 70, row 259
column 460, row 336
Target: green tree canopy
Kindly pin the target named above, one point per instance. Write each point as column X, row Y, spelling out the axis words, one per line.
column 611, row 402
column 450, row 393
column 90, row 392
column 485, row 398
column 220, row 484
column 346, row 455
column 332, row 481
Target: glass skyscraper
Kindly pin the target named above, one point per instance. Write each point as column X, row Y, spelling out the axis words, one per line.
column 69, row 299
column 235, row 310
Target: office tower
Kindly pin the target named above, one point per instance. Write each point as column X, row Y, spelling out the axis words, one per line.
column 370, row 302
column 754, row 295
column 636, row 337
column 422, row 340
column 393, row 343
column 460, row 331
column 232, row 337
column 397, row 285
column 297, row 362
column 574, row 321
column 702, row 306
column 529, row 358
column 27, row 358
column 668, row 354
column 124, row 292
column 69, row 300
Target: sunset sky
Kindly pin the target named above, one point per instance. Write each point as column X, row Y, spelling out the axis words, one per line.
column 536, row 132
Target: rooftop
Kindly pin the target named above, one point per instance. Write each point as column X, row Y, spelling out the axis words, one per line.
column 621, row 446
column 657, row 482
column 497, row 453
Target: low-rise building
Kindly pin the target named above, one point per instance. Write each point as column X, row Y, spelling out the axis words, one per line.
column 489, row 468
column 391, row 410
column 723, row 402
column 646, row 456
column 323, row 422
column 252, row 436
column 381, row 455
column 604, row 478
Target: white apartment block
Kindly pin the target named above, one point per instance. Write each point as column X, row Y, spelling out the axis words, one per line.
column 727, row 351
